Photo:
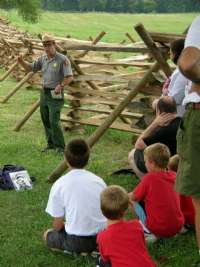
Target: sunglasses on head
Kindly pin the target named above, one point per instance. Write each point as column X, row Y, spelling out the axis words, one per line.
column 47, row 44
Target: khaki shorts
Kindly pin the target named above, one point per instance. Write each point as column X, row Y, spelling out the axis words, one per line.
column 188, row 148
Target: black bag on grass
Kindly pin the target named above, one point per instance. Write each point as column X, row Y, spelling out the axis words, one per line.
column 14, row 177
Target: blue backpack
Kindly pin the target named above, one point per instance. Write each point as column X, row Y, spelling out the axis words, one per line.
column 5, row 180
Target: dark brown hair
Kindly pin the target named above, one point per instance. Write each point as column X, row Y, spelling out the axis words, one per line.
column 114, row 202
column 77, row 153
column 166, row 104
column 177, row 47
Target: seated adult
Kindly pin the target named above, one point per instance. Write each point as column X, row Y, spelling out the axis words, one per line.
column 163, row 129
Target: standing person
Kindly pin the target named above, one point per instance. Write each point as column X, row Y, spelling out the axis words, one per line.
column 57, row 73
column 122, row 242
column 188, row 137
column 174, row 86
column 74, row 204
column 178, row 82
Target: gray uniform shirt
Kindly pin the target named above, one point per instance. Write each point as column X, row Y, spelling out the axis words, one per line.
column 53, row 70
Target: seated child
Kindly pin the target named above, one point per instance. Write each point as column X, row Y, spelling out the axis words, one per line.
column 74, row 204
column 122, row 243
column 161, row 215
column 187, row 207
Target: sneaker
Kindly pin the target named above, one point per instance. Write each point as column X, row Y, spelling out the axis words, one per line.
column 46, row 149
column 183, row 230
column 84, row 254
column 67, row 252
column 95, row 254
column 60, row 151
column 197, row 264
column 150, row 238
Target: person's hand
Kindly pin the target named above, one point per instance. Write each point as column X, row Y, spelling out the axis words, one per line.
column 195, row 88
column 130, row 203
column 58, row 89
column 163, row 119
column 130, row 197
column 154, row 104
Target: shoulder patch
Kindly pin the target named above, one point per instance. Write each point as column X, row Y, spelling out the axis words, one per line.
column 66, row 62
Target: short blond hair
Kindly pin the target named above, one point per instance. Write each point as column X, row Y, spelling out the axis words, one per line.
column 159, row 154
column 173, row 163
column 114, row 202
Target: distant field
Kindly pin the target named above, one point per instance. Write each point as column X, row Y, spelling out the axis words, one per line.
column 83, row 25
column 22, row 215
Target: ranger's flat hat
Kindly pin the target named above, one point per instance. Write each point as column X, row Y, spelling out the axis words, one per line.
column 46, row 37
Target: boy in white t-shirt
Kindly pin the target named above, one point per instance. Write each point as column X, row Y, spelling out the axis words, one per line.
column 74, row 204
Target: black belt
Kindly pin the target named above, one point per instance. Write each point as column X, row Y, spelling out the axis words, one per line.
column 48, row 89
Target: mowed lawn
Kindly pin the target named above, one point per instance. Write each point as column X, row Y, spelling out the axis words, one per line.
column 22, row 216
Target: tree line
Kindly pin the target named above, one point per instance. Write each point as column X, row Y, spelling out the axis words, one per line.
column 127, row 6
column 30, row 9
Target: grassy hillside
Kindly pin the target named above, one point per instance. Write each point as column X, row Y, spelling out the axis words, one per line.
column 83, row 25
column 22, row 216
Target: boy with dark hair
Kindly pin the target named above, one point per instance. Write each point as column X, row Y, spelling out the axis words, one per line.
column 187, row 206
column 161, row 215
column 74, row 204
column 77, row 153
column 122, row 243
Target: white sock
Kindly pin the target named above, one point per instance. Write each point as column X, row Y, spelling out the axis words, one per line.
column 199, row 251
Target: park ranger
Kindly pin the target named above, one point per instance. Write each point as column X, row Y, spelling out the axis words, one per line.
column 57, row 73
column 188, row 137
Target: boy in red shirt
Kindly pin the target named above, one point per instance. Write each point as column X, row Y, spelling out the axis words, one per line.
column 122, row 243
column 161, row 215
column 187, row 207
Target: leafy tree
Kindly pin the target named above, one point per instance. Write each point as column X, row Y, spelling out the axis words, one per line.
column 91, row 5
column 138, row 6
column 100, row 5
column 149, row 6
column 86, row 5
column 114, row 5
column 70, row 5
column 28, row 9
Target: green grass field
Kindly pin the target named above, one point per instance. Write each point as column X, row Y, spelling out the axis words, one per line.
column 83, row 25
column 22, row 216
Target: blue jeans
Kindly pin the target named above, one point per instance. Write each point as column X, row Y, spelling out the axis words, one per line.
column 142, row 216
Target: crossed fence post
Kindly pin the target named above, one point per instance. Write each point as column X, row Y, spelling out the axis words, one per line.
column 109, row 120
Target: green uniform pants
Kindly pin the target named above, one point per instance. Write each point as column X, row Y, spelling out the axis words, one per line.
column 50, row 114
column 188, row 148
